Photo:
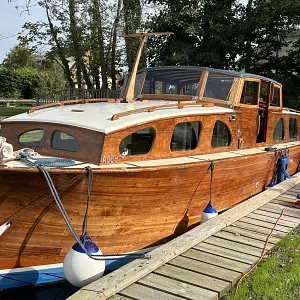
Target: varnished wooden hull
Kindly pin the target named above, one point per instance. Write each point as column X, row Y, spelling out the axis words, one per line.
column 129, row 210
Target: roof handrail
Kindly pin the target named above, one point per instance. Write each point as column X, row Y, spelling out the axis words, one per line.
column 180, row 105
column 68, row 102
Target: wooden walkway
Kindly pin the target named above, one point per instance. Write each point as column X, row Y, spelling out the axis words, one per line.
column 206, row 262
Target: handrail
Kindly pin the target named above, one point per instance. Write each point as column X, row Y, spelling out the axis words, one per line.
column 179, row 105
column 62, row 103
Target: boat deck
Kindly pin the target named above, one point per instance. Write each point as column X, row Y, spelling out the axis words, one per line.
column 206, row 262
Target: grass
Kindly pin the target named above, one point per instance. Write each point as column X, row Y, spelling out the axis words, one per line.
column 277, row 276
column 11, row 111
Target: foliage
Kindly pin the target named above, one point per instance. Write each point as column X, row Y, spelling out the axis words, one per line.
column 276, row 277
column 252, row 36
column 82, row 37
column 19, row 57
column 27, row 82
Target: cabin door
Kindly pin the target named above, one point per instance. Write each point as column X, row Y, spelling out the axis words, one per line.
column 262, row 116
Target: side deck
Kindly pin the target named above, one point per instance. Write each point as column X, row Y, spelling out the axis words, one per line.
column 206, row 262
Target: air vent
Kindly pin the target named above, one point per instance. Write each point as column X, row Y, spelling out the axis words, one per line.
column 77, row 110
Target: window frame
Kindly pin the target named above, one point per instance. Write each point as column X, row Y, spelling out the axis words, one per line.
column 198, row 141
column 59, row 149
column 42, row 140
column 239, row 94
column 229, row 131
column 272, row 107
column 135, row 131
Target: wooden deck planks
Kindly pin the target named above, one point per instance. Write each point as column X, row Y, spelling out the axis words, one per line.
column 227, row 253
column 242, row 240
column 177, row 287
column 216, row 260
column 259, row 229
column 248, row 233
column 211, row 267
column 194, row 278
column 238, row 247
column 205, row 269
column 141, row 292
column 276, row 215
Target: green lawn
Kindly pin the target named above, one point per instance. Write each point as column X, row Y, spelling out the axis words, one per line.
column 277, row 276
column 11, row 111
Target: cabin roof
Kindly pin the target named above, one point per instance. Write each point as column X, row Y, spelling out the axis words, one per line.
column 97, row 116
column 227, row 72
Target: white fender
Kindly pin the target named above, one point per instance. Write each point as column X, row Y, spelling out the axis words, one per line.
column 79, row 268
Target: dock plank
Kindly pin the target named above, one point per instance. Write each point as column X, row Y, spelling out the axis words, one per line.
column 205, row 269
column 243, row 240
column 141, row 292
column 234, row 246
column 285, row 203
column 223, row 252
column 255, row 235
column 276, row 215
column 217, row 260
column 259, row 229
column 265, row 224
column 190, row 277
column 275, row 207
column 176, row 287
column 272, row 220
column 119, row 297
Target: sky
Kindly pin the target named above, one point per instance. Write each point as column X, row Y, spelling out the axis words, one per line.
column 11, row 21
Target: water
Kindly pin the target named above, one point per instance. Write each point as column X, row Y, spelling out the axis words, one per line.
column 58, row 291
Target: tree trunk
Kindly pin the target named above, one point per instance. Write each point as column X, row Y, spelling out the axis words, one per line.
column 60, row 50
column 113, row 48
column 101, row 47
column 248, row 33
column 132, row 16
column 77, row 48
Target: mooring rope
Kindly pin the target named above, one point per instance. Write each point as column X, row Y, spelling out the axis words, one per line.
column 35, row 163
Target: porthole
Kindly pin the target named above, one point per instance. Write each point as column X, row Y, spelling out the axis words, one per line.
column 32, row 138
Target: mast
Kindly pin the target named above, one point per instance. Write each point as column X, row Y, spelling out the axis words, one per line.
column 129, row 93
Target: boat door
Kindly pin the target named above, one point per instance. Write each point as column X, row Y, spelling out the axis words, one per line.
column 262, row 116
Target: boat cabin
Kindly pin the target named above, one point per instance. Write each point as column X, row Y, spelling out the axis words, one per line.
column 176, row 112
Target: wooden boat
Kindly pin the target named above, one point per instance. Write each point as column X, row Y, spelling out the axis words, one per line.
column 151, row 152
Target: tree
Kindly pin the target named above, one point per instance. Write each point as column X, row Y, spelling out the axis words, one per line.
column 84, row 32
column 132, row 23
column 203, row 33
column 19, row 57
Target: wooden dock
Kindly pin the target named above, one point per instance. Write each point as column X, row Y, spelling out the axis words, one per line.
column 206, row 262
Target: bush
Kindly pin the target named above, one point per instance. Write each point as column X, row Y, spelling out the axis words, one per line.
column 26, row 82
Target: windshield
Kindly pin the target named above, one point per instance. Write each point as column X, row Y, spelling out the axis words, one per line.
column 218, row 86
column 172, row 81
column 179, row 81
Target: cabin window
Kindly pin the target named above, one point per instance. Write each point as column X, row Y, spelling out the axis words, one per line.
column 293, row 130
column 32, row 138
column 64, row 141
column 172, row 81
column 221, row 135
column 278, row 131
column 218, row 86
column 250, row 93
column 276, row 97
column 139, row 142
column 185, row 136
